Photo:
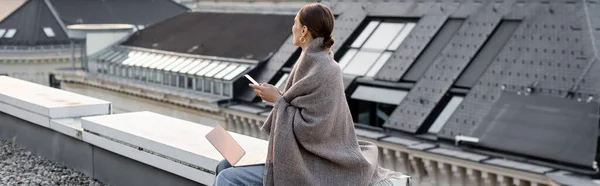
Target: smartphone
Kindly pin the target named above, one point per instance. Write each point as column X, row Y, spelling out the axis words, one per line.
column 251, row 80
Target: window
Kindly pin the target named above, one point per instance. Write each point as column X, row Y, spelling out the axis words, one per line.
column 216, row 70
column 226, row 71
column 207, row 86
column 190, row 83
column 199, row 84
column 10, row 33
column 235, row 73
column 373, row 106
column 181, row 81
column 217, row 88
column 165, row 78
column 207, row 68
column 282, row 82
column 445, row 114
column 371, row 113
column 49, row 32
column 2, row 31
column 374, row 46
column 173, row 79
column 227, row 89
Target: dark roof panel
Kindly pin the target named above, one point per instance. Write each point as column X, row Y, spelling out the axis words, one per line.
column 242, row 36
column 29, row 22
column 487, row 53
column 552, row 128
column 136, row 12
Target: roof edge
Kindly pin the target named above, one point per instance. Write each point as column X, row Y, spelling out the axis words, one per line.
column 244, row 61
column 57, row 17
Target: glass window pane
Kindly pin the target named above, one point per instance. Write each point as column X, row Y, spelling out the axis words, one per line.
column 347, row 57
column 2, row 31
column 226, row 71
column 157, row 61
column 227, row 89
column 216, row 70
column 282, row 82
column 166, row 62
column 199, row 84
column 49, row 32
column 207, row 86
column 174, row 64
column 173, row 78
column 383, row 112
column 362, row 112
column 190, row 83
column 10, row 33
column 112, row 56
column 445, row 115
column 191, row 66
column 241, row 69
column 207, row 68
column 365, row 34
column 217, row 88
column 165, row 80
column 181, row 81
column 361, row 63
column 102, row 56
column 383, row 36
column 144, row 60
column 380, row 62
column 141, row 60
column 130, row 57
column 200, row 66
column 379, row 95
column 148, row 60
column 403, row 34
column 183, row 64
column 159, row 76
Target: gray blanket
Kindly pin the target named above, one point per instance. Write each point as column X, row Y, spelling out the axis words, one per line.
column 311, row 133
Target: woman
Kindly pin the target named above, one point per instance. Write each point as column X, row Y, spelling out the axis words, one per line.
column 311, row 131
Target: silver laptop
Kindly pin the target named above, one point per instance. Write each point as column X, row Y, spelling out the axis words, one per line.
column 232, row 151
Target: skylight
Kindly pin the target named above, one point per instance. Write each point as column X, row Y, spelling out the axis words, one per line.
column 49, row 32
column 445, row 115
column 10, row 33
column 370, row 51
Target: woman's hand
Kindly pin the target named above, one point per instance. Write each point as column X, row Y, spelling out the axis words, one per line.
column 267, row 92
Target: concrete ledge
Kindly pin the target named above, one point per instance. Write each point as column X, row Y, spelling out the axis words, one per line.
column 149, row 159
column 108, row 167
column 167, row 143
column 49, row 102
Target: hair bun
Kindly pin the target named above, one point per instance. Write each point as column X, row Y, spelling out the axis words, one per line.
column 328, row 42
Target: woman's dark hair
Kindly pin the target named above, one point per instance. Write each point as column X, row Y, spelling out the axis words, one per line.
column 319, row 20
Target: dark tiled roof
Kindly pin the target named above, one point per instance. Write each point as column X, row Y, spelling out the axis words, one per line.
column 137, row 12
column 559, row 129
column 245, row 36
column 29, row 21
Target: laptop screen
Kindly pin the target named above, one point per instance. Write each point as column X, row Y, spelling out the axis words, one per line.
column 225, row 144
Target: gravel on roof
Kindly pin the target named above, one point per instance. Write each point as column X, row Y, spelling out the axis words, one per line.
column 20, row 167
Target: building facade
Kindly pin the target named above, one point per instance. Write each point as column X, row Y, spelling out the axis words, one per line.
column 452, row 92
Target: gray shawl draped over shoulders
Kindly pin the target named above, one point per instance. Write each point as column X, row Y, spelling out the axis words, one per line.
column 311, row 132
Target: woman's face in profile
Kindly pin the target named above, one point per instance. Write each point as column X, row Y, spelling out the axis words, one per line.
column 297, row 31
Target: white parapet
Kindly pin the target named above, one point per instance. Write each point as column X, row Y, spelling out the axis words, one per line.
column 170, row 144
column 39, row 104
